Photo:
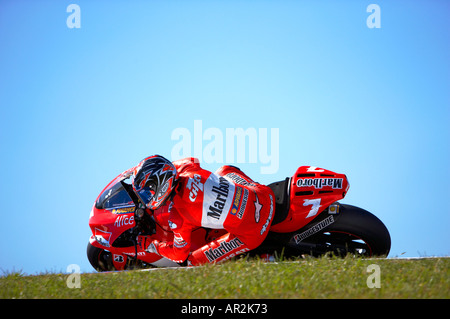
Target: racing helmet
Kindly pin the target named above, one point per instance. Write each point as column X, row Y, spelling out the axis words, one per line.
column 154, row 178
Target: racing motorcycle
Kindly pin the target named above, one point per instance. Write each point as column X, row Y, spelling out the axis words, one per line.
column 308, row 220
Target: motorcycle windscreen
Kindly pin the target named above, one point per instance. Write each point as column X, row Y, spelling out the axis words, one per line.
column 114, row 197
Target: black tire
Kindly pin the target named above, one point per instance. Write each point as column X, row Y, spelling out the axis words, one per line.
column 99, row 258
column 356, row 231
column 352, row 231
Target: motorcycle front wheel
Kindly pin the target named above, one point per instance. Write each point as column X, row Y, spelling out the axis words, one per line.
column 99, row 258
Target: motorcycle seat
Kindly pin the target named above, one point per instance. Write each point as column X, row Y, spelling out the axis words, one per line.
column 281, row 191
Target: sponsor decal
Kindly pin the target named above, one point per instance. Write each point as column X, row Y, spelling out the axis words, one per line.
column 218, row 198
column 172, row 225
column 314, row 229
column 178, row 241
column 109, row 194
column 225, row 247
column 258, row 207
column 123, row 210
column 216, row 209
column 239, row 180
column 164, row 188
column 195, row 185
column 239, row 202
column 141, row 253
column 315, row 206
column 266, row 224
column 102, row 237
column 243, row 204
column 118, row 258
column 335, row 183
column 124, row 221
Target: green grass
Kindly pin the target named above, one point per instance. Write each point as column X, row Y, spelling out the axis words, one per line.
column 308, row 278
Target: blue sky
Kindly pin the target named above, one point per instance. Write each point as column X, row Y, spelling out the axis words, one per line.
column 78, row 106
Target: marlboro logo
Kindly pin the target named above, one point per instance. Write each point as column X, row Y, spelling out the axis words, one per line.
column 320, row 182
column 215, row 210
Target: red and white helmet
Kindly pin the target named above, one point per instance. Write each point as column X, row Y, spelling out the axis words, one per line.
column 154, row 178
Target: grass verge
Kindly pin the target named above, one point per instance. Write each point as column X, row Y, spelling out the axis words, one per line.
column 254, row 279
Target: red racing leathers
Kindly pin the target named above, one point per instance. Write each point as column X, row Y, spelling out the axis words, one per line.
column 227, row 199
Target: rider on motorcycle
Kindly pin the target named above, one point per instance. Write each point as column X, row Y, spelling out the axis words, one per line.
column 227, row 199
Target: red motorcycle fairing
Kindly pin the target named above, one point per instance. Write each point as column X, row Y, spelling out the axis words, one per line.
column 113, row 215
column 108, row 225
column 311, row 190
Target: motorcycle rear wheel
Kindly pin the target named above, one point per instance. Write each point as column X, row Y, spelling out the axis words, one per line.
column 355, row 231
column 352, row 231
